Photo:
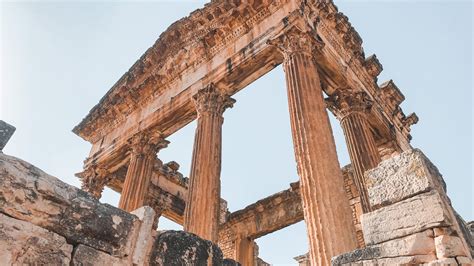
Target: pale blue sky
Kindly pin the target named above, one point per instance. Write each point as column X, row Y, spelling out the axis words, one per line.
column 59, row 58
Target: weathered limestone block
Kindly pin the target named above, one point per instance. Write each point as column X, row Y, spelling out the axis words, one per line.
column 449, row 246
column 464, row 261
column 404, row 260
column 87, row 256
column 409, row 260
column 144, row 240
column 444, row 261
column 467, row 231
column 405, row 218
column 29, row 194
column 23, row 243
column 417, row 244
column 401, row 177
column 182, row 248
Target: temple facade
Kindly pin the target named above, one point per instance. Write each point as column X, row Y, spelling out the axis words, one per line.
column 191, row 73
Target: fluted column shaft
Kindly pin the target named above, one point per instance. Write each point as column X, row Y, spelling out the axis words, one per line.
column 137, row 179
column 203, row 202
column 326, row 207
column 352, row 108
column 362, row 151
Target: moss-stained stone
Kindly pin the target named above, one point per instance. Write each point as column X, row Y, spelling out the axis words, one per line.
column 182, row 248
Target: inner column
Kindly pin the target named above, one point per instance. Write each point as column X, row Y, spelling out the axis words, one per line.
column 144, row 148
column 326, row 207
column 352, row 108
column 203, row 203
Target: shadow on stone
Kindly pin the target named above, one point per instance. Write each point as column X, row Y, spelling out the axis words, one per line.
column 182, row 248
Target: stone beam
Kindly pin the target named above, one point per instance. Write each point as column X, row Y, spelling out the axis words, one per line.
column 267, row 215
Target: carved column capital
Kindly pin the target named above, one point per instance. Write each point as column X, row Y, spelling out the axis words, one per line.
column 296, row 41
column 210, row 100
column 147, row 143
column 344, row 102
column 94, row 178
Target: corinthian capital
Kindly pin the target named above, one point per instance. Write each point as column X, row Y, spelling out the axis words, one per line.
column 147, row 143
column 296, row 41
column 345, row 101
column 94, row 178
column 210, row 100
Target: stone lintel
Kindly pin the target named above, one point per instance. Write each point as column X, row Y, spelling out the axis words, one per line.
column 267, row 215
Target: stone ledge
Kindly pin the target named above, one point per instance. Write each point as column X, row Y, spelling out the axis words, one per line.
column 23, row 243
column 418, row 244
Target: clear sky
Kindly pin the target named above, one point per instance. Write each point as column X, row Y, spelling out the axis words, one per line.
column 59, row 58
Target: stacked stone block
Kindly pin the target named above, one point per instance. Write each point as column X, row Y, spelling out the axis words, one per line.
column 412, row 221
column 44, row 221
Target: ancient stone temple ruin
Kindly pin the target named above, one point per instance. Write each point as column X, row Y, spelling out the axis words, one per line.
column 389, row 206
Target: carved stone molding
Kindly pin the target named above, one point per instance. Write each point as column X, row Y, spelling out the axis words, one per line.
column 296, row 41
column 94, row 178
column 373, row 66
column 147, row 143
column 344, row 102
column 210, row 100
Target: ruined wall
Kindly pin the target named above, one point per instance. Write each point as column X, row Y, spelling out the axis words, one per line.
column 44, row 221
column 352, row 194
column 412, row 221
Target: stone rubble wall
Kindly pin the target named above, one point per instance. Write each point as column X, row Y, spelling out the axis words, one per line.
column 44, row 221
column 352, row 194
column 413, row 221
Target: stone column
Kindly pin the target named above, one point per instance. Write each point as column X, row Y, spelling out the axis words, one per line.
column 244, row 251
column 352, row 108
column 144, row 147
column 94, row 178
column 326, row 207
column 203, row 202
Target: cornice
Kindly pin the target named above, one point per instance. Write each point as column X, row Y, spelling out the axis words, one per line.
column 187, row 43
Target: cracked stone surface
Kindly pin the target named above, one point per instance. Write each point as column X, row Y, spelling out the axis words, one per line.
column 182, row 248
column 23, row 243
column 401, row 177
column 29, row 194
column 87, row 256
column 405, row 218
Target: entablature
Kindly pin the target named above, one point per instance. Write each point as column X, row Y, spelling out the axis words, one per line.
column 230, row 52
